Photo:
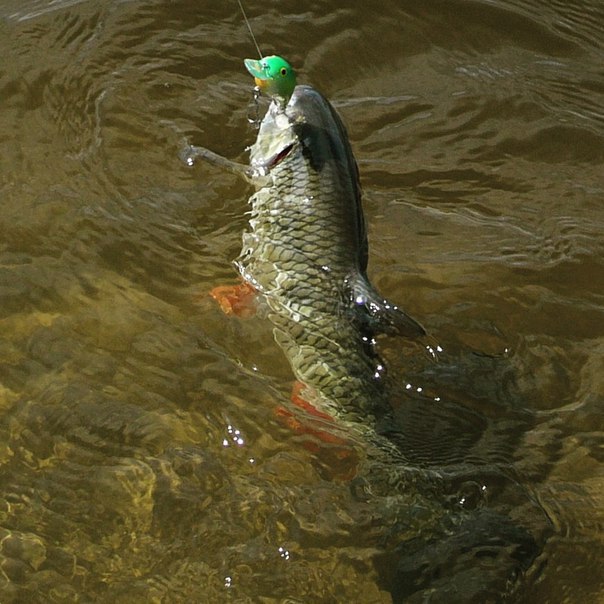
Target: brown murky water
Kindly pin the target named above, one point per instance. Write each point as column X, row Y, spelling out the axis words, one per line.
column 140, row 456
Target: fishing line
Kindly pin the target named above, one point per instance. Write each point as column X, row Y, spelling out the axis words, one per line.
column 253, row 116
column 249, row 28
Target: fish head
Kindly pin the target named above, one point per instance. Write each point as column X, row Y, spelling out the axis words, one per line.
column 307, row 121
column 275, row 139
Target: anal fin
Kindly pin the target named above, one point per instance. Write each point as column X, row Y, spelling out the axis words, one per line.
column 336, row 452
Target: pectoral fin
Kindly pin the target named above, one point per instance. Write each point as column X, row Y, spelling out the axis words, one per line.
column 189, row 153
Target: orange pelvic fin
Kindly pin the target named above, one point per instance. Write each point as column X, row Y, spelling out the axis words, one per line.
column 236, row 300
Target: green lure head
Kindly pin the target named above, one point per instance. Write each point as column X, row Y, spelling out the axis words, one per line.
column 274, row 76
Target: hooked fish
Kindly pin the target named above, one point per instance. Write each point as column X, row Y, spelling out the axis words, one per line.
column 306, row 254
column 306, row 251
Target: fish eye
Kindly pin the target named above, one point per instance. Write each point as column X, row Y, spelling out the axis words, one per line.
column 283, row 71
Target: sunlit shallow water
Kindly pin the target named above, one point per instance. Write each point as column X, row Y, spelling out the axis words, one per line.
column 141, row 458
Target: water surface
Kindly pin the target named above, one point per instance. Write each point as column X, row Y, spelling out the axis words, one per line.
column 141, row 459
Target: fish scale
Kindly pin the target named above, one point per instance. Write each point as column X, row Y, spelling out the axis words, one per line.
column 306, row 252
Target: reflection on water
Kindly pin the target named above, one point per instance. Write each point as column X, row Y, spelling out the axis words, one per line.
column 141, row 458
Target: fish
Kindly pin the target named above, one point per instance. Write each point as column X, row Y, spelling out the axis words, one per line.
column 306, row 250
column 305, row 254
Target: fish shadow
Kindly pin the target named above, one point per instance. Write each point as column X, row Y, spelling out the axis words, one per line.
column 461, row 421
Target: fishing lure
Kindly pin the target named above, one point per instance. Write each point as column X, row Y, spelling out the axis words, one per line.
column 274, row 77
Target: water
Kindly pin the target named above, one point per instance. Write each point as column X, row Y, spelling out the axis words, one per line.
column 141, row 458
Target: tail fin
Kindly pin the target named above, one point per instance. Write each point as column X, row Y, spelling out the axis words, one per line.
column 380, row 314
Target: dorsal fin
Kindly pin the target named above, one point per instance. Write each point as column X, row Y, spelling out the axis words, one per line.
column 380, row 314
